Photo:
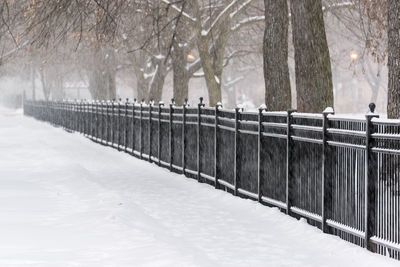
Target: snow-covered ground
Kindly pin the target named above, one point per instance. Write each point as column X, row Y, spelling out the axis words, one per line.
column 66, row 201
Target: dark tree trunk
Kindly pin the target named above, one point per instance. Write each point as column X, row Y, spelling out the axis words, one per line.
column 276, row 70
column 313, row 66
column 181, row 75
column 393, row 107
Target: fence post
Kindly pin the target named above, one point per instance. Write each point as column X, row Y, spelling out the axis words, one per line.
column 326, row 172
column 102, row 120
column 235, row 170
column 96, row 120
column 133, row 126
column 107, row 125
column 171, row 152
column 119, row 136
column 84, row 117
column 185, row 103
column 126, row 126
column 259, row 150
column 289, row 170
column 150, row 132
column 141, row 130
column 112, row 122
column 216, row 148
column 371, row 179
column 160, row 105
column 199, row 106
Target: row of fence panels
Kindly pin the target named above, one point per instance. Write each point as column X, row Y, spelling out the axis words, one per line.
column 340, row 173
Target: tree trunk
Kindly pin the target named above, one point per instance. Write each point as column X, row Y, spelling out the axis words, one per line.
column 213, row 86
column 142, row 86
column 33, row 77
column 180, row 74
column 102, row 76
column 46, row 89
column 276, row 70
column 393, row 106
column 157, row 82
column 313, row 67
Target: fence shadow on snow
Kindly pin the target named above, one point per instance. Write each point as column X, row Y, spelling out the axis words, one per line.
column 340, row 173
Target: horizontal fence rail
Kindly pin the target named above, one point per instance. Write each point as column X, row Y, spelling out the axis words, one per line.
column 341, row 174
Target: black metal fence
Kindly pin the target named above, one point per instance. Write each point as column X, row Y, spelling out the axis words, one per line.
column 341, row 174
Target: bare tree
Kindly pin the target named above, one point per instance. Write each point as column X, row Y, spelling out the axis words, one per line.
column 313, row 67
column 276, row 70
column 393, row 108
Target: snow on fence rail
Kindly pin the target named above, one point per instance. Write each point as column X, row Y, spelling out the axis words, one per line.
column 341, row 174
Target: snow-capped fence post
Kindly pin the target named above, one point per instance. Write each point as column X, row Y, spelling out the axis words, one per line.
column 160, row 106
column 85, row 117
column 185, row 103
column 81, row 118
column 326, row 197
column 76, row 114
column 235, row 159
column 150, row 131
column 119, row 136
column 216, row 148
column 199, row 106
column 259, row 150
column 371, row 180
column 141, row 130
column 289, row 169
column 102, row 121
column 111, row 123
column 108, row 131
column 91, row 109
column 126, row 124
column 171, row 152
column 133, row 126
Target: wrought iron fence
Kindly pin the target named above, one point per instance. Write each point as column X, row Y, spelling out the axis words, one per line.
column 341, row 174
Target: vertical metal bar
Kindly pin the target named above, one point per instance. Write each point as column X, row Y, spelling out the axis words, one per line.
column 235, row 162
column 216, row 148
column 183, row 136
column 326, row 186
column 141, row 130
column 126, row 126
column 171, row 152
column 112, row 123
column 133, row 126
column 119, row 126
column 370, row 183
column 289, row 169
column 160, row 105
column 150, row 131
column 260, row 181
column 199, row 106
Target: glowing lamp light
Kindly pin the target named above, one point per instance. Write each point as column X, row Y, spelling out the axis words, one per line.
column 353, row 55
column 190, row 57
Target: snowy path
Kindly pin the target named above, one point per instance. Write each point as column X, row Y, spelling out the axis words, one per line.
column 66, row 201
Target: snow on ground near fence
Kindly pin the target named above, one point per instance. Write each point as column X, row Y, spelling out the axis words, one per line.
column 66, row 201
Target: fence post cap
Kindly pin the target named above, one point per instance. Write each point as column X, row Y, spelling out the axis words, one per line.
column 290, row 111
column 328, row 110
column 185, row 102
column 262, row 107
column 160, row 103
